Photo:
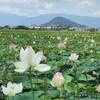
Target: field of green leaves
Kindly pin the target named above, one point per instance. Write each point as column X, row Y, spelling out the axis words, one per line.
column 73, row 57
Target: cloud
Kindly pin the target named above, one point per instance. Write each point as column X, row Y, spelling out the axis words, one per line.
column 85, row 2
column 48, row 5
column 97, row 13
column 7, row 9
column 26, row 2
column 17, row 11
column 4, row 1
column 19, row 7
column 36, row 7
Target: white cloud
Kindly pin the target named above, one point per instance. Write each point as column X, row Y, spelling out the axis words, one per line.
column 19, row 7
column 36, row 7
column 85, row 2
column 4, row 1
column 20, row 1
column 97, row 13
column 48, row 5
column 7, row 9
column 25, row 1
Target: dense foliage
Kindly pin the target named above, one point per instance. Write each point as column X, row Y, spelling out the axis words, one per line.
column 81, row 77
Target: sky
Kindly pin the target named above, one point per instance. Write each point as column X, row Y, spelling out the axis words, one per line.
column 37, row 7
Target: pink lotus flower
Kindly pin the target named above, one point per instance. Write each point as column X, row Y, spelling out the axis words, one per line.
column 58, row 80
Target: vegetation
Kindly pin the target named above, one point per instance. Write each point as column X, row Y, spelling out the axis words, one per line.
column 81, row 75
column 21, row 27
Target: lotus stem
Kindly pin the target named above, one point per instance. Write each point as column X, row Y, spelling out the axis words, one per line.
column 7, row 98
column 36, row 79
column 12, row 97
column 65, row 93
column 45, row 88
column 31, row 83
column 75, row 70
column 60, row 94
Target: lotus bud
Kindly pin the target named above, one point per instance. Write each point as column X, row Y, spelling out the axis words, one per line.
column 58, row 80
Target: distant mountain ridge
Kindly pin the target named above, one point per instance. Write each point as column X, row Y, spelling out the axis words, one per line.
column 61, row 22
column 13, row 20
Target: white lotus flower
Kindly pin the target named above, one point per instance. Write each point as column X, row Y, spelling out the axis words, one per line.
column 30, row 59
column 73, row 57
column 12, row 89
column 26, row 59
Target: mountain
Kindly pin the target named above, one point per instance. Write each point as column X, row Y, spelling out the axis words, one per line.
column 61, row 22
column 83, row 20
column 11, row 19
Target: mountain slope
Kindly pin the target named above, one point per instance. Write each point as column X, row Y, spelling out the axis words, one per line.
column 11, row 19
column 61, row 22
column 83, row 20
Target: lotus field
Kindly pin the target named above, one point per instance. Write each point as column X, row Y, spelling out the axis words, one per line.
column 49, row 65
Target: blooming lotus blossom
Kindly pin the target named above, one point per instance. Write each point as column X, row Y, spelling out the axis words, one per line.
column 98, row 89
column 30, row 59
column 26, row 59
column 12, row 89
column 58, row 80
column 73, row 57
column 61, row 45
